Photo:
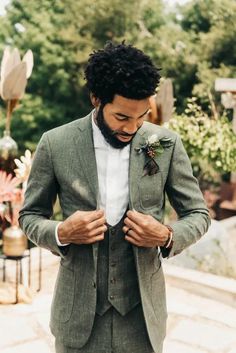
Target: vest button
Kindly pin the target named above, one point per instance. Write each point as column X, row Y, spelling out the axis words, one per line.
column 113, row 264
column 94, row 284
column 112, row 247
column 112, row 280
column 112, row 297
column 112, row 231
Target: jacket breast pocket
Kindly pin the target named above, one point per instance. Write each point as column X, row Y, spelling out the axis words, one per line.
column 151, row 190
column 63, row 297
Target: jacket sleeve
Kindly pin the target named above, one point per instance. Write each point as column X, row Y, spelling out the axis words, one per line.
column 186, row 198
column 40, row 197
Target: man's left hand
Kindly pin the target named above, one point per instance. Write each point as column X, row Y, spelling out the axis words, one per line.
column 144, row 230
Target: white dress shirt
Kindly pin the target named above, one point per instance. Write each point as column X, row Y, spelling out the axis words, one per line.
column 113, row 178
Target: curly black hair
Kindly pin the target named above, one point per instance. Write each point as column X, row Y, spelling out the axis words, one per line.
column 121, row 69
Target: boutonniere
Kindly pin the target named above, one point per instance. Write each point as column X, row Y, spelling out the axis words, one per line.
column 152, row 148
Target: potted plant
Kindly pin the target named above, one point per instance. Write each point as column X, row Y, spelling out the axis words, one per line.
column 11, row 198
column 211, row 145
column 13, row 79
column 11, row 201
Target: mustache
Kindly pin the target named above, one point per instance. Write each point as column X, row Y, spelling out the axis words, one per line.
column 115, row 132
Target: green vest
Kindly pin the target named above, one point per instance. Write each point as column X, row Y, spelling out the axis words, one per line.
column 117, row 283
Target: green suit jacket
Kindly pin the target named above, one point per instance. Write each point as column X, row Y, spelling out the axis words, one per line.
column 65, row 165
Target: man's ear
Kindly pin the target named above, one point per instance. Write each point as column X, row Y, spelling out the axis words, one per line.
column 94, row 100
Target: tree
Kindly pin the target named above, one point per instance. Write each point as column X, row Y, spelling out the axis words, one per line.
column 211, row 26
column 61, row 35
column 194, row 44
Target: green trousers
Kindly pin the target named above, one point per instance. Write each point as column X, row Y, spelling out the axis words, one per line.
column 114, row 333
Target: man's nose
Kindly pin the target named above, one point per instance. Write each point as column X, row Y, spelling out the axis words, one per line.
column 131, row 127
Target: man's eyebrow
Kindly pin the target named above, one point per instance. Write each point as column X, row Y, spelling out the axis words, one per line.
column 130, row 117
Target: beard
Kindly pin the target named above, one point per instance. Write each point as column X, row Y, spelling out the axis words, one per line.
column 109, row 134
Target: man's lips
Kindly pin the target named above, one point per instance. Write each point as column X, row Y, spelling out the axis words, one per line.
column 124, row 137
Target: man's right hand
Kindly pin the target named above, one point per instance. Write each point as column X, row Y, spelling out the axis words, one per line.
column 83, row 227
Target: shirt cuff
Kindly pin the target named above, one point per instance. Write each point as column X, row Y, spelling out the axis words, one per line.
column 56, row 236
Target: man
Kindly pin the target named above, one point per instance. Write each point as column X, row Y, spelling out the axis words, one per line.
column 111, row 170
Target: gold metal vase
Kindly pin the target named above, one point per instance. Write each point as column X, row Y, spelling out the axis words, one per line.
column 14, row 241
column 8, row 152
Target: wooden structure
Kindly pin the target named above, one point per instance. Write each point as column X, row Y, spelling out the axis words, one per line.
column 162, row 103
column 227, row 87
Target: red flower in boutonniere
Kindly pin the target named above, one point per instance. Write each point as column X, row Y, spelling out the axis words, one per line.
column 152, row 148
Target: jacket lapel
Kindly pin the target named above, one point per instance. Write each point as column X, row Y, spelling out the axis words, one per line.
column 86, row 155
column 137, row 162
column 136, row 165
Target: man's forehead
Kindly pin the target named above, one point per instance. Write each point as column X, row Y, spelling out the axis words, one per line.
column 129, row 107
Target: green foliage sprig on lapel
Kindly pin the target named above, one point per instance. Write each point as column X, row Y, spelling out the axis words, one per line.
column 153, row 147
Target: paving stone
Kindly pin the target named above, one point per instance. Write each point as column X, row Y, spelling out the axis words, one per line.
column 15, row 330
column 176, row 347
column 178, row 307
column 219, row 312
column 181, row 302
column 21, row 309
column 232, row 350
column 171, row 322
column 43, row 321
column 42, row 302
column 37, row 346
column 204, row 336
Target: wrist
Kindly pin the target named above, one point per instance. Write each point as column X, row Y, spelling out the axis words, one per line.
column 62, row 234
column 169, row 242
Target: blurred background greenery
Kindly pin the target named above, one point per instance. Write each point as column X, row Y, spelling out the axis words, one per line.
column 193, row 44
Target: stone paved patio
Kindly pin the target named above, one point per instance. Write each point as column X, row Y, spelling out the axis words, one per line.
column 196, row 324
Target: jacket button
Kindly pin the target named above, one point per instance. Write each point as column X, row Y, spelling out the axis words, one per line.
column 112, row 297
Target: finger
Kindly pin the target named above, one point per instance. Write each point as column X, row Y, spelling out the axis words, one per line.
column 131, row 233
column 125, row 229
column 94, row 215
column 133, row 225
column 136, row 217
column 131, row 240
column 95, row 239
column 97, row 231
column 97, row 223
column 86, row 240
